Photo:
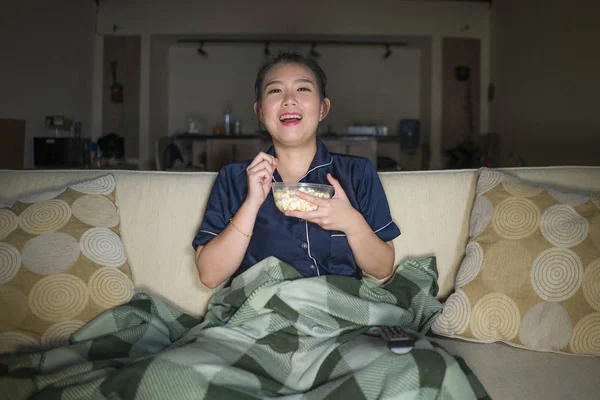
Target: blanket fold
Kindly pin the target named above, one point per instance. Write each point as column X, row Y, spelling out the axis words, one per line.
column 272, row 333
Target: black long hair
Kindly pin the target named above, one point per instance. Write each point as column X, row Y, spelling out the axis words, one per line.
column 290, row 58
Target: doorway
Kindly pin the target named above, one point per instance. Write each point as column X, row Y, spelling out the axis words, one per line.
column 121, row 90
column 461, row 85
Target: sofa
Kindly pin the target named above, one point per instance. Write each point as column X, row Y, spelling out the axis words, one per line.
column 160, row 212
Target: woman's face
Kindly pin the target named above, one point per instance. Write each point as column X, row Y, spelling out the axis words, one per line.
column 291, row 107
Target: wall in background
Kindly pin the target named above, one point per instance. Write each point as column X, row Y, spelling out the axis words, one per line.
column 545, row 64
column 431, row 19
column 363, row 87
column 47, row 63
column 383, row 17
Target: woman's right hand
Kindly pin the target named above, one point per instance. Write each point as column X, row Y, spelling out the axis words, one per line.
column 260, row 178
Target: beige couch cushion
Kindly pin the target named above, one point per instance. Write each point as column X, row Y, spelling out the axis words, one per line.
column 509, row 373
column 432, row 210
column 163, row 257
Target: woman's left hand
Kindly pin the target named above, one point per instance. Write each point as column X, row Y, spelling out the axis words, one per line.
column 335, row 214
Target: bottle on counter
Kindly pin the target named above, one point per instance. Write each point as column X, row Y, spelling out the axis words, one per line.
column 98, row 157
column 227, row 127
column 93, row 154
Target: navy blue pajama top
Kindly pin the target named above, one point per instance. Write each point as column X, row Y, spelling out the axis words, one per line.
column 306, row 246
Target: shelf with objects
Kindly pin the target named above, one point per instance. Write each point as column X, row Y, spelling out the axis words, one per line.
column 201, row 152
column 194, row 152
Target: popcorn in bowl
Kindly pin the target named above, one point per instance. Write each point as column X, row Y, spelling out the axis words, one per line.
column 286, row 199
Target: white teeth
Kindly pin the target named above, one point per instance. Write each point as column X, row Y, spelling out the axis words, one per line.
column 285, row 117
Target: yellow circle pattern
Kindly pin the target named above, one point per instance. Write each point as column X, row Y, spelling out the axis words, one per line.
column 495, row 317
column 516, row 218
column 591, row 284
column 96, row 210
column 8, row 222
column 586, row 335
column 110, row 287
column 455, row 317
column 45, row 217
column 59, row 334
column 58, row 297
column 17, row 342
column 10, row 262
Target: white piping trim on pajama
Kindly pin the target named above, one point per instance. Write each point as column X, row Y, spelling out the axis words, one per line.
column 383, row 227
column 318, row 166
column 308, row 244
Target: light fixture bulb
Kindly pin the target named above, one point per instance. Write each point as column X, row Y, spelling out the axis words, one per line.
column 201, row 51
column 313, row 53
column 388, row 51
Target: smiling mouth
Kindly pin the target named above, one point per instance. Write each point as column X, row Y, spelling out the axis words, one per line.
column 290, row 117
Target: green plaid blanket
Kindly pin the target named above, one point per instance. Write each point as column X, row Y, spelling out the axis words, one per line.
column 272, row 333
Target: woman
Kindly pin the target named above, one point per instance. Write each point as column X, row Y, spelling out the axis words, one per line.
column 349, row 234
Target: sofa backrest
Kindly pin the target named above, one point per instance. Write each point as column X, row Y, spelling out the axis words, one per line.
column 162, row 211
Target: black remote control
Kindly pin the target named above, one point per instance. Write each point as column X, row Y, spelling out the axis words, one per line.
column 398, row 341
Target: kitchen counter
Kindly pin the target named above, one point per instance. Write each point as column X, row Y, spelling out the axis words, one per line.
column 198, row 136
column 393, row 138
column 212, row 152
column 265, row 136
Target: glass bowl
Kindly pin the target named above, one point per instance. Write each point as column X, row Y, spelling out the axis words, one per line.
column 286, row 199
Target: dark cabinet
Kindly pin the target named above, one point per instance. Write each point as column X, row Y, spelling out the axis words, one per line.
column 220, row 152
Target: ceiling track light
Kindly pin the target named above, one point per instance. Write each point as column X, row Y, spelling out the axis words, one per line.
column 201, row 51
column 313, row 53
column 388, row 52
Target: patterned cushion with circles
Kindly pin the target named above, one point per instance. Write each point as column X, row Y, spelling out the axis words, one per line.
column 531, row 273
column 61, row 264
